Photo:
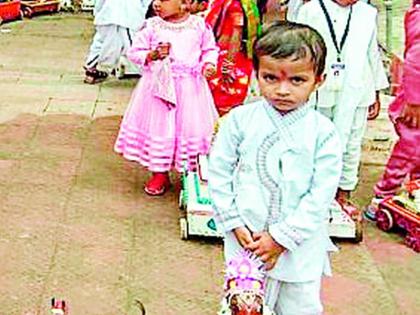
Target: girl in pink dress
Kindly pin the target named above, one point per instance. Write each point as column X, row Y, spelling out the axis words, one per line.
column 405, row 114
column 170, row 118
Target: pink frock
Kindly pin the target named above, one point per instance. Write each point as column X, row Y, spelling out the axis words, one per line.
column 171, row 115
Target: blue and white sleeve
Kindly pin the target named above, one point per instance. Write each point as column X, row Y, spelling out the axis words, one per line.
column 223, row 160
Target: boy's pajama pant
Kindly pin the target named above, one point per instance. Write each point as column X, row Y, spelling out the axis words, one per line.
column 404, row 160
column 109, row 43
column 353, row 148
column 294, row 298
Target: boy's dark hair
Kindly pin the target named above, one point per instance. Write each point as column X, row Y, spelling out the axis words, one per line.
column 287, row 39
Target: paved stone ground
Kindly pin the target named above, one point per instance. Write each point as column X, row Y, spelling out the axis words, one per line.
column 75, row 223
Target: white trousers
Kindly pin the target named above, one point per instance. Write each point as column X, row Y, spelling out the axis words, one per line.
column 294, row 298
column 353, row 147
column 109, row 43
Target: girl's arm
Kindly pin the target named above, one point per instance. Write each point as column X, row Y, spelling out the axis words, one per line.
column 139, row 51
column 224, row 156
column 210, row 51
column 312, row 211
column 411, row 70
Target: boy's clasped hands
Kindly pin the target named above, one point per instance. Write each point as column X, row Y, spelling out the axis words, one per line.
column 162, row 51
column 261, row 244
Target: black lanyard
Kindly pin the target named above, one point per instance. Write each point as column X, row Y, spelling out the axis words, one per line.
column 332, row 32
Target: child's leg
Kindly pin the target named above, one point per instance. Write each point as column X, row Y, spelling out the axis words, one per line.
column 351, row 156
column 404, row 160
column 95, row 49
column 127, row 36
column 117, row 42
column 92, row 74
column 288, row 298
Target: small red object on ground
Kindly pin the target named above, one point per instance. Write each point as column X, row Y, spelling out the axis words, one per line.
column 10, row 11
column 58, row 307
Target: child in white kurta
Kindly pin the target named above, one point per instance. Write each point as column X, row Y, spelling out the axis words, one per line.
column 116, row 22
column 274, row 169
column 354, row 73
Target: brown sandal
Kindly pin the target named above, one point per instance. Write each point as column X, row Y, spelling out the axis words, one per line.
column 94, row 75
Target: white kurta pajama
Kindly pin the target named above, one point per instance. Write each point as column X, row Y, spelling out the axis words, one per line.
column 364, row 74
column 116, row 22
column 279, row 173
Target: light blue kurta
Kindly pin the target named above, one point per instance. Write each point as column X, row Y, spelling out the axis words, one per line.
column 279, row 173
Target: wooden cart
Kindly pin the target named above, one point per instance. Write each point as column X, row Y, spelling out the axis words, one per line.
column 196, row 213
column 10, row 10
column 32, row 7
column 403, row 211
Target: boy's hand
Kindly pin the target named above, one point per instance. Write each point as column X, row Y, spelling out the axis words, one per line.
column 374, row 110
column 266, row 248
column 411, row 115
column 243, row 235
column 209, row 70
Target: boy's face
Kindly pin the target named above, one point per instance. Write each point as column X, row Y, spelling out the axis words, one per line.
column 345, row 3
column 287, row 83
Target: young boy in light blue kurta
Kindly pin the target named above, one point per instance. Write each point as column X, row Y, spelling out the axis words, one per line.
column 274, row 170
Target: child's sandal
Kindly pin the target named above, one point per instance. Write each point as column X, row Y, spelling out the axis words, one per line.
column 95, row 76
column 157, row 184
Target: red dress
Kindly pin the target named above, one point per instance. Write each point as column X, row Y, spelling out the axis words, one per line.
column 230, row 93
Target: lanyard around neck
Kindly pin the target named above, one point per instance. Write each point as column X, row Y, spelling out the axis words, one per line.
column 332, row 31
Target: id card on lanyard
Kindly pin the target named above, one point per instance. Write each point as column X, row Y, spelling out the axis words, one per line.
column 335, row 75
